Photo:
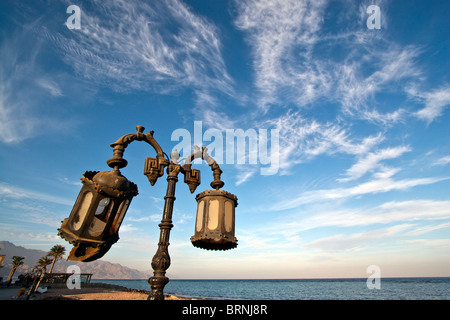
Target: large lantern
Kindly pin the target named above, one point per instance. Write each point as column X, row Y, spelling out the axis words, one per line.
column 93, row 225
column 214, row 226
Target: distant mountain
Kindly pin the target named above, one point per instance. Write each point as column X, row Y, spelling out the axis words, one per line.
column 99, row 269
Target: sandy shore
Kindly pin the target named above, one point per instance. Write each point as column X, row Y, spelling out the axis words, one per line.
column 97, row 291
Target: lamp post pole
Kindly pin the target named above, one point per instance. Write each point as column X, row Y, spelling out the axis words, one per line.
column 161, row 259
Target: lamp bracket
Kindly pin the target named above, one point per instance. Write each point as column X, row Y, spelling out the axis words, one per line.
column 192, row 176
column 117, row 161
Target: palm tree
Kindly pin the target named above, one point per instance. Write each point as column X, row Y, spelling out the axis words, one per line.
column 16, row 262
column 42, row 266
column 56, row 252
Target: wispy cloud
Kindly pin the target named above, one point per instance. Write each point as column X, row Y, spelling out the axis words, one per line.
column 65, row 180
column 435, row 102
column 16, row 66
column 407, row 213
column 51, row 86
column 287, row 38
column 371, row 161
column 245, row 174
column 442, row 161
column 153, row 218
column 24, row 90
column 418, row 231
column 158, row 47
column 215, row 119
column 302, row 139
column 13, row 127
column 149, row 46
column 389, row 212
column 14, row 192
column 256, row 240
column 355, row 88
column 357, row 240
column 410, row 217
column 36, row 212
column 402, row 215
column 274, row 29
column 11, row 231
column 382, row 182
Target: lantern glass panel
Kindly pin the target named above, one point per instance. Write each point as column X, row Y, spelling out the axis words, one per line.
column 96, row 228
column 200, row 212
column 101, row 217
column 228, row 216
column 213, row 216
column 120, row 215
column 79, row 217
column 102, row 205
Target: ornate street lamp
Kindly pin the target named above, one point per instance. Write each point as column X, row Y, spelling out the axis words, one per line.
column 214, row 226
column 93, row 225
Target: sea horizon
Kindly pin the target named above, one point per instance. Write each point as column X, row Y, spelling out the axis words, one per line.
column 391, row 288
column 259, row 279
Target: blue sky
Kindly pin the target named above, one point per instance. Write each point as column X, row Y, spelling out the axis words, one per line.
column 362, row 118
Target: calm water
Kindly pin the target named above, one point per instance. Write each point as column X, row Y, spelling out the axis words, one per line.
column 304, row 289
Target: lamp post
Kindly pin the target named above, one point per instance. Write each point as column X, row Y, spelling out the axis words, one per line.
column 94, row 222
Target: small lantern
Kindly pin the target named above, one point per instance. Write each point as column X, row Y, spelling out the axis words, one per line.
column 93, row 225
column 214, row 226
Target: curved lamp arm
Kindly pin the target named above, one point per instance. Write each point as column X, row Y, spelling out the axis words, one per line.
column 154, row 168
column 190, row 174
column 119, row 147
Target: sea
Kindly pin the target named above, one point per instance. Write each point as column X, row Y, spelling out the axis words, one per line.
column 302, row 289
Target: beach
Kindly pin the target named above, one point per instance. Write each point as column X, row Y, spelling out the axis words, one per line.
column 95, row 291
